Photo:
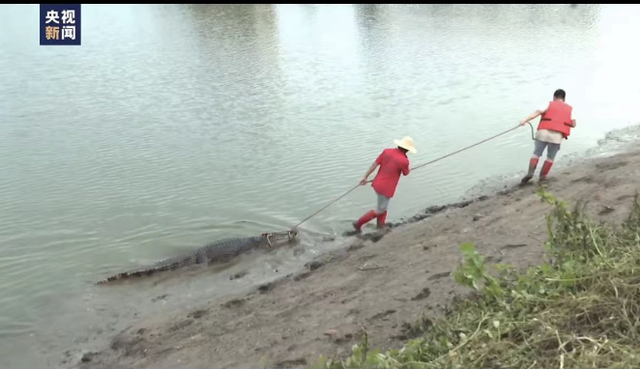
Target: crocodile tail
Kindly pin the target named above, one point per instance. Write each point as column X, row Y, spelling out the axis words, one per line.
column 170, row 264
column 137, row 273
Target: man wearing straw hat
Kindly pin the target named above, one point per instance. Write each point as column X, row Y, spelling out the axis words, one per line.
column 392, row 162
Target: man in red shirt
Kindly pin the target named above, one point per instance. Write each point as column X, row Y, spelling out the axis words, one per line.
column 392, row 162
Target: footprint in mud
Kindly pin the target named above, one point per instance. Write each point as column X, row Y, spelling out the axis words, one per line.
column 88, row 357
column 233, row 303
column 180, row 325
column 301, row 276
column 349, row 233
column 314, row 264
column 611, row 166
column 624, row 197
column 265, row 287
column 295, row 363
column 238, row 275
column 374, row 236
column 438, row 276
column 383, row 314
column 198, row 314
column 426, row 292
column 513, row 246
column 410, row 331
column 585, row 179
column 367, row 257
column 606, row 210
column 162, row 297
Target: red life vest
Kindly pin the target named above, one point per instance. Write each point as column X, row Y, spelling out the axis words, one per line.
column 557, row 118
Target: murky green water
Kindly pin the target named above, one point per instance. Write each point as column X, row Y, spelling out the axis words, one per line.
column 174, row 125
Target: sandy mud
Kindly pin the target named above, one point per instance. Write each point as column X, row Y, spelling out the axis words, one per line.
column 380, row 284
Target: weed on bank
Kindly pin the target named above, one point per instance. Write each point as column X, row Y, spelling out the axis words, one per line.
column 581, row 309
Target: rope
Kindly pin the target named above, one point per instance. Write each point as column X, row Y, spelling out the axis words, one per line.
column 533, row 135
column 326, row 206
column 475, row 144
column 417, row 167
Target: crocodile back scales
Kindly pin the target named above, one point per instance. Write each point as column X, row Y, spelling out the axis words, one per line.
column 219, row 251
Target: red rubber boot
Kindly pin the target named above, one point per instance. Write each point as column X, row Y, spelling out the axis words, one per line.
column 382, row 218
column 546, row 167
column 366, row 218
column 533, row 163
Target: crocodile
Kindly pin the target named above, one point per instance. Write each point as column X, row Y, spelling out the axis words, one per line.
column 217, row 252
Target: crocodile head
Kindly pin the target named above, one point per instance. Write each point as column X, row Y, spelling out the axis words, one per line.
column 278, row 238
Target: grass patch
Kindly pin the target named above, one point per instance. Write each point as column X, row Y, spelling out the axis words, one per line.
column 581, row 309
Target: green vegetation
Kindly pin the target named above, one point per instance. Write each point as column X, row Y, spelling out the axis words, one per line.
column 581, row 309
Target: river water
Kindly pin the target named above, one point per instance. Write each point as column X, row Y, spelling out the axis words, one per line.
column 174, row 125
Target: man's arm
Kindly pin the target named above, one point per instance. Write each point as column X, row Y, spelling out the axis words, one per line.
column 372, row 168
column 405, row 169
column 368, row 173
column 573, row 119
column 534, row 115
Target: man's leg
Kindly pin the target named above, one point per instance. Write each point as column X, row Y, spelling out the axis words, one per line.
column 380, row 213
column 538, row 149
column 552, row 150
column 366, row 218
column 383, row 204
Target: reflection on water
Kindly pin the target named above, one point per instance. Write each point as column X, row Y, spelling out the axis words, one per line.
column 174, row 125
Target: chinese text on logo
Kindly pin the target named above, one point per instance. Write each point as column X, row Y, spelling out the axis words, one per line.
column 60, row 24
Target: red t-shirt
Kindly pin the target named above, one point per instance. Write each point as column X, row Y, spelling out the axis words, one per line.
column 392, row 162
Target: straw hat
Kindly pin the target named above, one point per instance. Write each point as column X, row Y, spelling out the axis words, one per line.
column 406, row 143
